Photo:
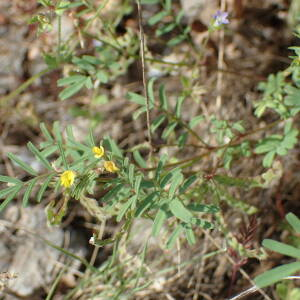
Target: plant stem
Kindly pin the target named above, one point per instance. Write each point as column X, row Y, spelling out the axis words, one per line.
column 191, row 131
column 22, row 87
column 142, row 50
column 235, row 142
column 59, row 35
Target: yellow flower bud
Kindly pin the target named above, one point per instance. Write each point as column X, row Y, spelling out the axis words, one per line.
column 98, row 151
column 110, row 166
column 67, row 178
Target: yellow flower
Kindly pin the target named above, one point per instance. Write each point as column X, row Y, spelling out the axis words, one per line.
column 67, row 178
column 110, row 166
column 98, row 151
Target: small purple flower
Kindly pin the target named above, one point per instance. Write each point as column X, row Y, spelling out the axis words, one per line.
column 220, row 18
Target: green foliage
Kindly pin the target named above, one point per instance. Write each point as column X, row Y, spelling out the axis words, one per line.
column 93, row 71
column 44, row 23
column 279, row 273
column 225, row 130
column 131, row 194
column 273, row 95
column 287, row 291
column 174, row 22
column 280, row 94
column 277, row 144
column 172, row 191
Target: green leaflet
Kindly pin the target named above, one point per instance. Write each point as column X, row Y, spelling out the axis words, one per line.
column 276, row 274
column 179, row 103
column 49, row 150
column 46, row 132
column 113, row 192
column 157, row 17
column 189, row 233
column 22, row 164
column 126, row 163
column 170, row 174
column 70, row 79
column 44, row 187
column 131, row 173
column 139, row 159
column 151, row 92
column 147, row 184
column 110, row 144
column 103, row 76
column 204, row 208
column 234, row 181
column 166, row 179
column 28, row 191
column 91, row 59
column 182, row 139
column 167, row 5
column 187, row 183
column 10, row 179
column 125, row 207
column 169, row 129
column 7, row 191
column 78, row 146
column 293, row 221
column 159, row 220
column 161, row 163
column 138, row 112
column 149, row 1
column 57, row 132
column 173, row 237
column 163, row 98
column 62, row 155
column 90, row 138
column 281, row 248
column 39, row 155
column 176, row 40
column 180, row 211
column 176, row 181
column 72, row 89
column 146, row 203
column 136, row 98
column 202, row 223
column 165, row 29
column 293, row 94
column 137, row 183
column 195, row 121
column 157, row 122
column 13, row 192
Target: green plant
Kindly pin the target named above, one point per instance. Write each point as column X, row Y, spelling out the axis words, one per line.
column 287, row 291
column 181, row 193
column 281, row 272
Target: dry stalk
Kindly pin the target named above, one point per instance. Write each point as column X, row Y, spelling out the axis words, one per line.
column 142, row 51
column 220, row 62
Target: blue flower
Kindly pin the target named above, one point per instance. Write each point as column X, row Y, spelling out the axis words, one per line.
column 220, row 18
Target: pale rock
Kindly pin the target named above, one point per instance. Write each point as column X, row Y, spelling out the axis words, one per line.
column 202, row 10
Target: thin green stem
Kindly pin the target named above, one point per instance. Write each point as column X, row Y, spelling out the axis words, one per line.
column 186, row 126
column 235, row 142
column 4, row 100
column 56, row 281
column 90, row 21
